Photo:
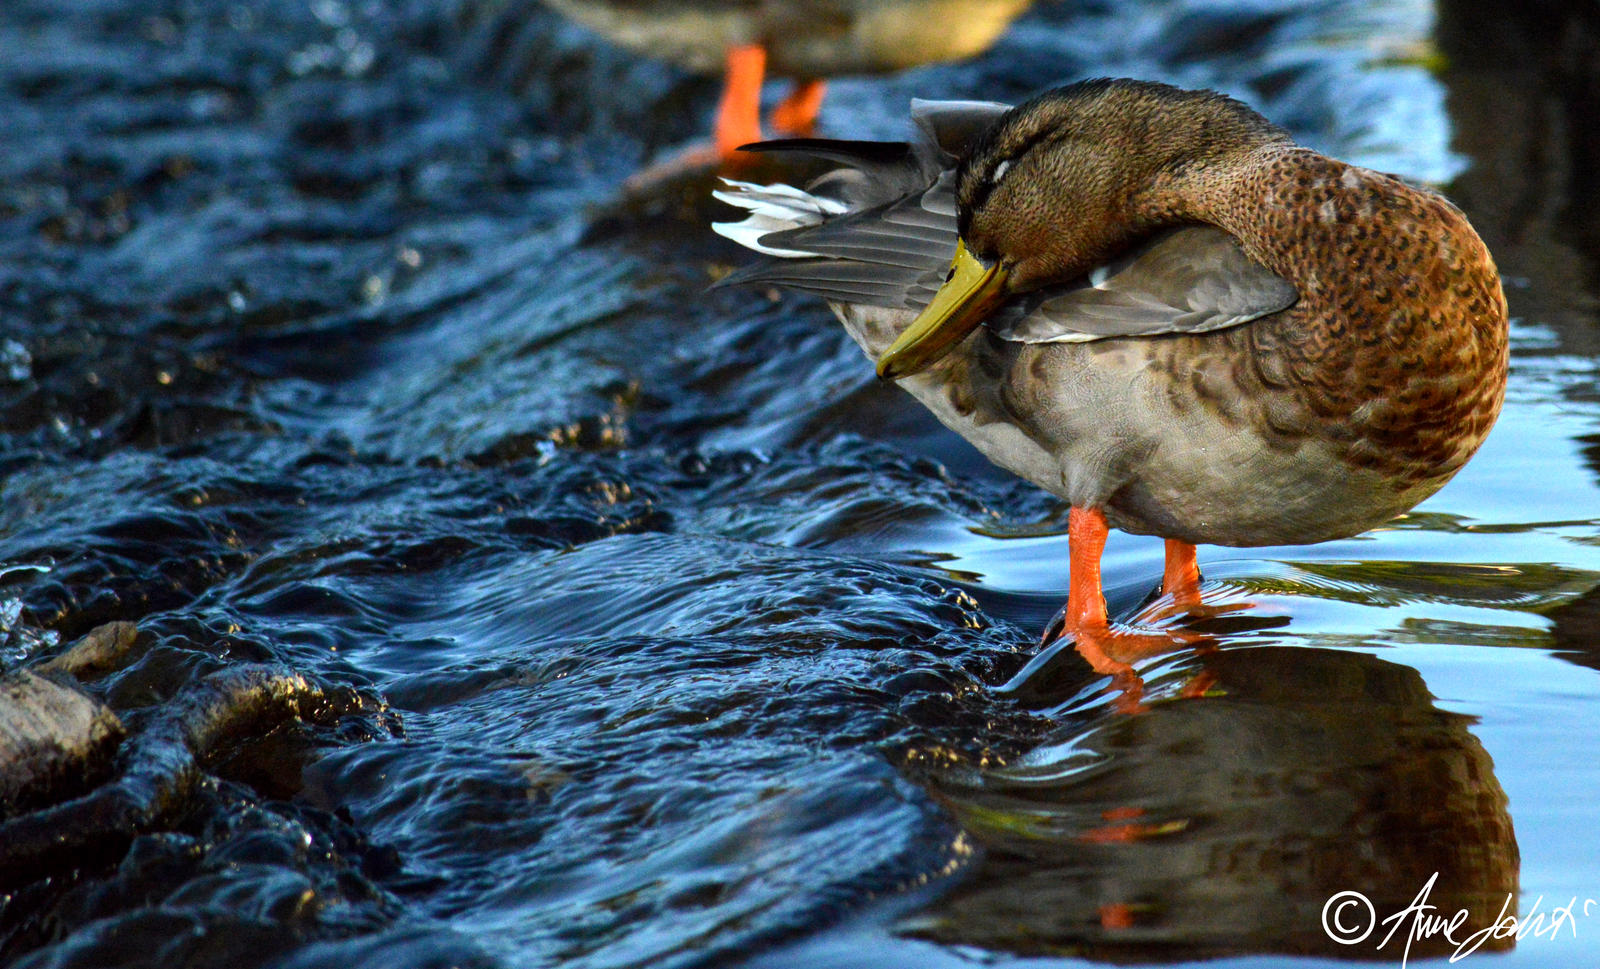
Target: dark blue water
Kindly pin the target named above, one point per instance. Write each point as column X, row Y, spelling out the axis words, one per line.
column 327, row 340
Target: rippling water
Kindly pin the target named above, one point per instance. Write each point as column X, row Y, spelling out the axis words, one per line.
column 325, row 340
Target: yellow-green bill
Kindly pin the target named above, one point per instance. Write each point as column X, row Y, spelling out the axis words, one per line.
column 968, row 295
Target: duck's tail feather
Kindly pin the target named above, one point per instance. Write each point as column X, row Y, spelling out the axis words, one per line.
column 889, row 255
column 772, row 209
column 858, row 153
column 864, row 267
column 878, row 230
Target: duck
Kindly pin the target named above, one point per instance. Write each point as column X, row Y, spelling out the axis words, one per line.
column 1155, row 305
column 808, row 40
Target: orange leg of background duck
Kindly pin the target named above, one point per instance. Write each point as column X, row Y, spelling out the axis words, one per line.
column 738, row 120
column 739, row 111
column 796, row 115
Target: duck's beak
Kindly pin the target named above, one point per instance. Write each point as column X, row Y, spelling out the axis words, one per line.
column 970, row 293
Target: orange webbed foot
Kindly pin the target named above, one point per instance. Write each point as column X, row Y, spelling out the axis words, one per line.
column 694, row 160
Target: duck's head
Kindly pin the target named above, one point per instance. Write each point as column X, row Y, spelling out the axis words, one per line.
column 1062, row 183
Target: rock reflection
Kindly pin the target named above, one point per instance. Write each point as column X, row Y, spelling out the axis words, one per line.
column 1523, row 90
column 1221, row 825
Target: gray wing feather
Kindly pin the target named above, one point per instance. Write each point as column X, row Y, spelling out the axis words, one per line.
column 841, row 280
column 913, row 231
column 887, row 253
column 1190, row 280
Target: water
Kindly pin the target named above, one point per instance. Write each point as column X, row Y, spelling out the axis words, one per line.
column 325, row 343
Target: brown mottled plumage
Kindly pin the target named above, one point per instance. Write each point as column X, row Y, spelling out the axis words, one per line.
column 1284, row 348
column 1397, row 348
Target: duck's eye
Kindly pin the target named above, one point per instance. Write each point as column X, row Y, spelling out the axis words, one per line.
column 1000, row 171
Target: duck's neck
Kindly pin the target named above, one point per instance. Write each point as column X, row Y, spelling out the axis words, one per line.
column 1269, row 197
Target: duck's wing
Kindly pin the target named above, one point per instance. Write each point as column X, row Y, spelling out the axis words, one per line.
column 880, row 231
column 1188, row 280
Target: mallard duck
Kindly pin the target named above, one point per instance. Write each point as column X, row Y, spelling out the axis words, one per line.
column 1152, row 303
column 809, row 40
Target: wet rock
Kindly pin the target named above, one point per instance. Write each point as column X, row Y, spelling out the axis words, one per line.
column 51, row 736
column 102, row 649
column 161, row 766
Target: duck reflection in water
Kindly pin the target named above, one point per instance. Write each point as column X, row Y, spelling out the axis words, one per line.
column 808, row 40
column 1222, row 827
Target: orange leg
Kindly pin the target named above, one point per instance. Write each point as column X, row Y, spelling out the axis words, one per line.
column 1108, row 651
column 1180, row 588
column 739, row 111
column 1116, row 915
column 1181, row 578
column 796, row 115
column 1086, row 542
column 1085, row 615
